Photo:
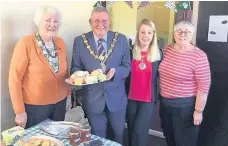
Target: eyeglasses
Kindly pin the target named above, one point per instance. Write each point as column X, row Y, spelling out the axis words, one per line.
column 180, row 32
column 102, row 22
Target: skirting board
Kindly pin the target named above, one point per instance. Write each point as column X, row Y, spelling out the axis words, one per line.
column 153, row 132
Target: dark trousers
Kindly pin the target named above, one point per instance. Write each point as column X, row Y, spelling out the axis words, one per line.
column 39, row 113
column 139, row 120
column 108, row 121
column 177, row 121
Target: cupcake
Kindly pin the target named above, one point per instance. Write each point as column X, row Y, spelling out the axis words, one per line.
column 102, row 77
column 78, row 80
column 91, row 79
column 81, row 73
column 95, row 73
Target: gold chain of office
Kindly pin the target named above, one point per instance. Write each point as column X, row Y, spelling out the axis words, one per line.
column 102, row 58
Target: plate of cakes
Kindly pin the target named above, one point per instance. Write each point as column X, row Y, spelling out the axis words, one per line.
column 40, row 141
column 82, row 78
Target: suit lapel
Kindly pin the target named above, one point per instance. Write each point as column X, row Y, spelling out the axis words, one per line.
column 109, row 40
column 92, row 42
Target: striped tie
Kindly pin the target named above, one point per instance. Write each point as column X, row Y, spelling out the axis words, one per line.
column 100, row 49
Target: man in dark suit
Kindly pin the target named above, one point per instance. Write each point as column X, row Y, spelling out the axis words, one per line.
column 102, row 49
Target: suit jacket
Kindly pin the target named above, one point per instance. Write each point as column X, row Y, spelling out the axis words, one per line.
column 155, row 82
column 112, row 93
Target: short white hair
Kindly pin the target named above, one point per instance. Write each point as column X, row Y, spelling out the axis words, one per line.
column 41, row 11
column 183, row 24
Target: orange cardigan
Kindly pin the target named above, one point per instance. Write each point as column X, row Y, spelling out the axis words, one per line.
column 31, row 78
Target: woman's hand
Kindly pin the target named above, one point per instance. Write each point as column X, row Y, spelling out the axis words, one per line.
column 21, row 119
column 197, row 118
column 68, row 103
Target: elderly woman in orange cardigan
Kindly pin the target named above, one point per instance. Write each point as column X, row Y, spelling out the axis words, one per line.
column 37, row 72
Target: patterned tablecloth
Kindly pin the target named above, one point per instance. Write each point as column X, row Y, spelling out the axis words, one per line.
column 35, row 131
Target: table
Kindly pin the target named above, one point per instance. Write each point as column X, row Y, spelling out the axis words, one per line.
column 35, row 130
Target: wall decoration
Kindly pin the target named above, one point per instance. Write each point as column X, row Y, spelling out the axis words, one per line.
column 129, row 3
column 171, row 5
column 185, row 5
column 109, row 4
column 144, row 4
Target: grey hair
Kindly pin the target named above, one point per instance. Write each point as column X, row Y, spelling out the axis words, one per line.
column 181, row 24
column 100, row 9
column 41, row 11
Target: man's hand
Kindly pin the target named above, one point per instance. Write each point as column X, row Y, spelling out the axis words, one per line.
column 68, row 103
column 111, row 73
column 21, row 119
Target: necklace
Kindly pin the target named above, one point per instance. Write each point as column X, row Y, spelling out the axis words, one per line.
column 101, row 58
column 47, row 50
column 142, row 65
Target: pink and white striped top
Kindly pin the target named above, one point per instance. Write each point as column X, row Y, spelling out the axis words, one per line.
column 183, row 74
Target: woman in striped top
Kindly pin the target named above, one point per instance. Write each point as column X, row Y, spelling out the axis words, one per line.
column 184, row 83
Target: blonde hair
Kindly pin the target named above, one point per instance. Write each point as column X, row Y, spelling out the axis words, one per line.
column 153, row 50
column 42, row 11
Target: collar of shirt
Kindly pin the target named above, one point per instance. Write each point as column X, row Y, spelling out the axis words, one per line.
column 104, row 43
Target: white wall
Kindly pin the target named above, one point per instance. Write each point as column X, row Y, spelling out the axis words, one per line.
column 17, row 21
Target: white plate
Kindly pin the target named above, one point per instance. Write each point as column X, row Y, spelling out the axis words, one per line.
column 73, row 124
column 59, row 129
column 70, row 81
